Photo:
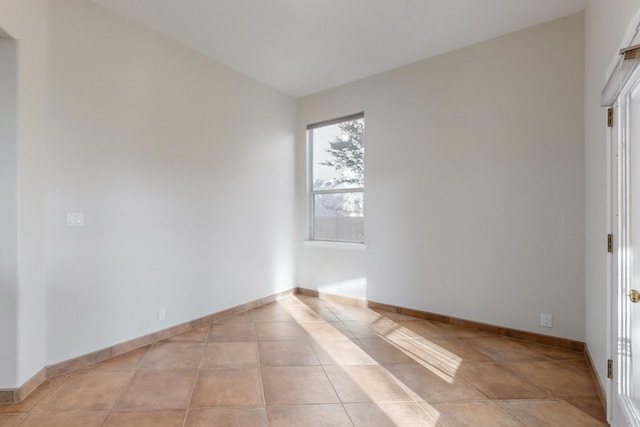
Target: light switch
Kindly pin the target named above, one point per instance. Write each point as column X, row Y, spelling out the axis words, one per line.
column 546, row 320
column 75, row 219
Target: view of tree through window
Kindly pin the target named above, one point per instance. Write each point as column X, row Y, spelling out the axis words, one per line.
column 337, row 179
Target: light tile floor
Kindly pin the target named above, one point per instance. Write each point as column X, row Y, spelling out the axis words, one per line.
column 304, row 361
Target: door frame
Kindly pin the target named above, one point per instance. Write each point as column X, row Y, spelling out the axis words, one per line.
column 622, row 408
column 617, row 406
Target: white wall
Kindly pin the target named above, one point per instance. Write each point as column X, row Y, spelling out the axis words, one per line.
column 605, row 25
column 183, row 169
column 26, row 22
column 469, row 190
column 9, row 211
column 474, row 181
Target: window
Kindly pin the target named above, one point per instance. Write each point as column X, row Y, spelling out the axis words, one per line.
column 337, row 179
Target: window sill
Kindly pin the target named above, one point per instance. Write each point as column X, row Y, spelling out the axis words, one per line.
column 335, row 245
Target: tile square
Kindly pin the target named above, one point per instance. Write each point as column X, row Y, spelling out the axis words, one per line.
column 226, row 355
column 313, row 315
column 176, row 355
column 243, row 317
column 157, row 390
column 312, row 302
column 359, row 330
column 498, row 382
column 425, row 351
column 341, row 352
column 423, row 329
column 227, row 417
column 285, row 353
column 28, row 404
column 389, row 415
column 453, row 350
column 563, row 379
column 384, row 352
column 63, row 419
column 396, row 317
column 347, row 313
column 125, row 362
column 231, row 387
column 11, row 420
column 471, row 414
column 305, row 315
column 326, row 314
column 300, row 301
column 297, row 385
column 463, row 332
column 369, row 383
column 308, row 416
column 91, row 392
column 342, row 328
column 432, row 384
column 240, row 331
column 274, row 331
column 590, row 405
column 389, row 329
column 549, row 413
column 555, row 353
column 145, row 419
column 271, row 313
column 505, row 349
column 322, row 331
column 193, row 335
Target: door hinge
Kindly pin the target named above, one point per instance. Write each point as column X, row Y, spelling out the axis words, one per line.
column 609, row 242
column 610, row 368
column 610, row 117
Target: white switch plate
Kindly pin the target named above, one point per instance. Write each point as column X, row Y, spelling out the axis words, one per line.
column 546, row 320
column 75, row 219
column 162, row 313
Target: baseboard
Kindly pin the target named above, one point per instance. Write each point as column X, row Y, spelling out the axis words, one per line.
column 18, row 394
column 8, row 395
column 331, row 297
column 602, row 395
column 498, row 330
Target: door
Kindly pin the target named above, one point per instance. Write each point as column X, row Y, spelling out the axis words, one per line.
column 626, row 254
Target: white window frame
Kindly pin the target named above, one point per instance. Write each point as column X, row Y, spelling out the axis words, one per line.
column 312, row 192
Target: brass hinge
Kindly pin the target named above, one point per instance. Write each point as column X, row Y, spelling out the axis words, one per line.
column 609, row 242
column 610, row 117
column 610, row 368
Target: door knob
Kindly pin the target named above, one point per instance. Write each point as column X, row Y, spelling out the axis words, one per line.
column 634, row 296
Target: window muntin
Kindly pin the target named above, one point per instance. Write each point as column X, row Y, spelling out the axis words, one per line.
column 337, row 179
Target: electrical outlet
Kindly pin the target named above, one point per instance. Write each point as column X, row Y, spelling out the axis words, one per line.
column 75, row 219
column 546, row 320
column 162, row 313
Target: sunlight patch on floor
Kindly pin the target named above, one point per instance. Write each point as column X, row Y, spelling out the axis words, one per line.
column 412, row 344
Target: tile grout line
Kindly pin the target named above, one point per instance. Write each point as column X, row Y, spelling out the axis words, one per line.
column 197, row 374
column 135, row 371
column 260, row 378
column 537, row 384
column 117, row 399
column 309, row 339
column 49, row 394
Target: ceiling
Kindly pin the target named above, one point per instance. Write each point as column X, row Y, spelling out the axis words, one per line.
column 302, row 47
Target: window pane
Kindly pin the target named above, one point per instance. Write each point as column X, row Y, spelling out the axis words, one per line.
column 338, row 155
column 339, row 217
